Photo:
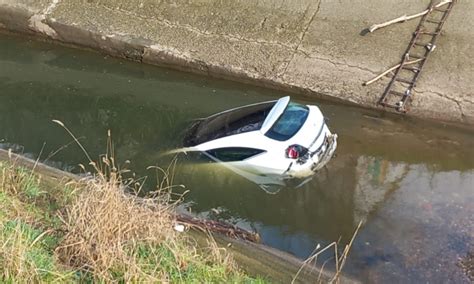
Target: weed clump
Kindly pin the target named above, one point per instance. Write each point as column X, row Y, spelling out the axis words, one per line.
column 108, row 231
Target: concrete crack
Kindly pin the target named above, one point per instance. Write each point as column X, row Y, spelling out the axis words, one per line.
column 460, row 109
column 457, row 102
column 196, row 30
column 303, row 34
column 262, row 23
column 336, row 63
column 305, row 31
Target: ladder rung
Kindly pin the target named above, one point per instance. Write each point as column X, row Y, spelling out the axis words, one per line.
column 416, row 56
column 414, row 69
column 404, row 81
column 441, row 10
column 429, row 33
column 397, row 93
column 420, row 44
column 389, row 105
column 433, row 21
column 399, row 107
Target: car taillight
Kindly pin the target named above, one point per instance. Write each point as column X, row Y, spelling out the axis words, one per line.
column 296, row 151
column 292, row 152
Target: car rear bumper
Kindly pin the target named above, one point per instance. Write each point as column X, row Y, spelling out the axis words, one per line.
column 317, row 160
column 326, row 155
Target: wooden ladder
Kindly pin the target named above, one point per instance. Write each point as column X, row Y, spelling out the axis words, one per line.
column 398, row 93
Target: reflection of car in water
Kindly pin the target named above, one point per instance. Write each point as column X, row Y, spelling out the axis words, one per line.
column 276, row 140
column 199, row 161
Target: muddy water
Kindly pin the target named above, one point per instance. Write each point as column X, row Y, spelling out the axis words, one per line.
column 410, row 183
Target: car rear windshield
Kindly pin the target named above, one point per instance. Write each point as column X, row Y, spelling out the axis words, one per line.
column 290, row 122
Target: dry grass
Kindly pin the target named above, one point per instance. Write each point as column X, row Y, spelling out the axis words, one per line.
column 113, row 235
column 106, row 227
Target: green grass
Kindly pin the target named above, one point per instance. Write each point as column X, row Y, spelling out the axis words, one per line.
column 28, row 253
column 187, row 268
column 27, row 243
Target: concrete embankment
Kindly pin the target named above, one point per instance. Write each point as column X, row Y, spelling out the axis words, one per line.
column 313, row 47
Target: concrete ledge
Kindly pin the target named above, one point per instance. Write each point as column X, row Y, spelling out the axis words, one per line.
column 310, row 47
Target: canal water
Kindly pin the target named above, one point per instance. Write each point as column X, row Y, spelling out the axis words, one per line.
column 410, row 183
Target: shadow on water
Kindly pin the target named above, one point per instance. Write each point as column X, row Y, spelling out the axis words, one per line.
column 412, row 183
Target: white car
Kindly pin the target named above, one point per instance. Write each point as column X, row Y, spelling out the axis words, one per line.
column 271, row 139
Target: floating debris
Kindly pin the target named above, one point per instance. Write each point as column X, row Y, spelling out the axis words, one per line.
column 220, row 227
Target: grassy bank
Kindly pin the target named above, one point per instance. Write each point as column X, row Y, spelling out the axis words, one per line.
column 92, row 231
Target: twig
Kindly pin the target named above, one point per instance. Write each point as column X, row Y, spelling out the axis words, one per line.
column 339, row 260
column 311, row 258
column 345, row 253
column 405, row 18
column 91, row 162
column 39, row 237
column 390, row 70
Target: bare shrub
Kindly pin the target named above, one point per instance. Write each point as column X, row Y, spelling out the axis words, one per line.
column 105, row 227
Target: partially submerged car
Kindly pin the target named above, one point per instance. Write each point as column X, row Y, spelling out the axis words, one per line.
column 276, row 139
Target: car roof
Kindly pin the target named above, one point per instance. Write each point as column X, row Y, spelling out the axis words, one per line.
column 274, row 114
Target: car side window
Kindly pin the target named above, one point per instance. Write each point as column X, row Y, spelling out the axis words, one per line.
column 233, row 154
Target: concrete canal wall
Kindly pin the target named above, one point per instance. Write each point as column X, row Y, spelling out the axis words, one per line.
column 313, row 47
